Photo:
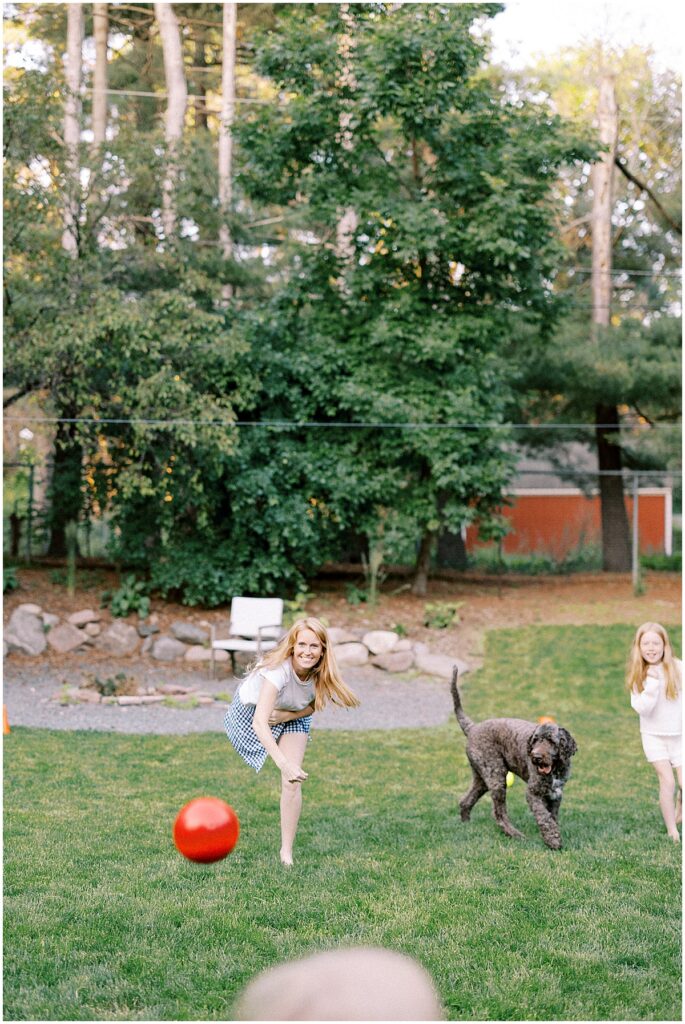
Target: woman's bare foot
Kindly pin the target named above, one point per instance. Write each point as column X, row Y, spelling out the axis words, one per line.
column 675, row 836
column 286, row 859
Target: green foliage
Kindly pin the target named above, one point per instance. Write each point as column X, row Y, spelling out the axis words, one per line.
column 297, row 607
column 584, row 558
column 662, row 563
column 86, row 579
column 442, row 173
column 131, row 596
column 113, row 686
column 9, row 579
column 355, row 594
column 634, row 364
column 453, row 184
column 441, row 614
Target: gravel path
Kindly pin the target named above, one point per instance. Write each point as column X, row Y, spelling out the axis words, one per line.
column 387, row 701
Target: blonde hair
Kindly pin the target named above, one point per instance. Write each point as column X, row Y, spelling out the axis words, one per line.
column 637, row 666
column 328, row 683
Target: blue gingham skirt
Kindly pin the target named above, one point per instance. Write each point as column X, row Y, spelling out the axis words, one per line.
column 238, row 726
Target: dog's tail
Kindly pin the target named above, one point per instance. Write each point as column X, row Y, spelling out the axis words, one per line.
column 463, row 719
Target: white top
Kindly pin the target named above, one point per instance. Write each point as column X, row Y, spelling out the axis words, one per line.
column 294, row 694
column 658, row 715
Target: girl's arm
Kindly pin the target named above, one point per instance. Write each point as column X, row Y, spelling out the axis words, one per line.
column 279, row 715
column 645, row 702
column 260, row 724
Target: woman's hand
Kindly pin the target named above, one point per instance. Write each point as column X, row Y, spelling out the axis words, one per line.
column 277, row 717
column 292, row 773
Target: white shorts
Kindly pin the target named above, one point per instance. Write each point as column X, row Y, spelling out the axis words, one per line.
column 663, row 748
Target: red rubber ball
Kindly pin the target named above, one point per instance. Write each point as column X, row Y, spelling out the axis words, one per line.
column 206, row 829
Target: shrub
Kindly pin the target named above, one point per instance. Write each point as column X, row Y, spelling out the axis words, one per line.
column 297, row 608
column 131, row 596
column 585, row 558
column 9, row 579
column 356, row 594
column 663, row 563
column 113, row 686
column 440, row 615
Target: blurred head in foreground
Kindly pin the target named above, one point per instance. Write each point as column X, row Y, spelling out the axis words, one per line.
column 342, row 984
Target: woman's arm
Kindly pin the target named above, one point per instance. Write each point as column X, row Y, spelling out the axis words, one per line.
column 260, row 724
column 279, row 715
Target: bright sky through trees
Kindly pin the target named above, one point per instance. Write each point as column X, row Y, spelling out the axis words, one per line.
column 530, row 27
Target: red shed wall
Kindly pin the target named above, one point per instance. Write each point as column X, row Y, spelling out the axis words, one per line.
column 556, row 522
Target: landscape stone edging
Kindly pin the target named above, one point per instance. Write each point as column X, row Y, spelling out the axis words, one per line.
column 31, row 630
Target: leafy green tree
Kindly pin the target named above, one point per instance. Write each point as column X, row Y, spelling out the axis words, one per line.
column 451, row 188
column 630, row 370
column 122, row 332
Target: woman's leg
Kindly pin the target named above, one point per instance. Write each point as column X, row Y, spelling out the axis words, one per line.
column 666, row 793
column 293, row 745
column 679, row 798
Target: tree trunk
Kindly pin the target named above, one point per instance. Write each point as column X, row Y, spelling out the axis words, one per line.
column 451, row 551
column 72, row 130
column 65, row 486
column 100, row 33
column 616, row 555
column 615, row 529
column 200, row 101
column 423, row 561
column 177, row 99
column 347, row 223
column 230, row 17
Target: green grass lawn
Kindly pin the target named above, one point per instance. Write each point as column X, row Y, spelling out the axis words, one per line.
column 105, row 920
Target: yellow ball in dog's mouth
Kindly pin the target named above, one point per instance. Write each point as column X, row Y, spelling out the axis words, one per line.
column 510, row 778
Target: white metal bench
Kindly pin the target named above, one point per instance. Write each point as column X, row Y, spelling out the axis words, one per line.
column 255, row 627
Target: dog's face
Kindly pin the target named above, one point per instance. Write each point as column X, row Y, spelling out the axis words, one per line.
column 548, row 745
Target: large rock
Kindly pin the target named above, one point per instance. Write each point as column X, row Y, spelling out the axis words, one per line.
column 380, row 640
column 441, row 665
column 394, row 661
column 92, row 629
column 85, row 696
column 25, row 631
column 132, row 699
column 30, row 609
column 49, row 620
column 188, row 633
column 351, row 654
column 82, row 618
column 147, row 629
column 119, row 639
column 197, row 653
column 65, row 638
column 166, row 648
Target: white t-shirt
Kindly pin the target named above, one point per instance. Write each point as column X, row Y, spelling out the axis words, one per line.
column 294, row 694
column 658, row 715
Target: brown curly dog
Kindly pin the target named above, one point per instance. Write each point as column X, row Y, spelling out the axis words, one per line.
column 539, row 754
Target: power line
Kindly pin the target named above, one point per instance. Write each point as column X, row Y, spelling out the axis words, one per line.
column 163, row 95
column 624, row 270
column 348, row 425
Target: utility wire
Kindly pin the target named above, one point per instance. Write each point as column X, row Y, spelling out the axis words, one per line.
column 313, row 424
column 624, row 270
